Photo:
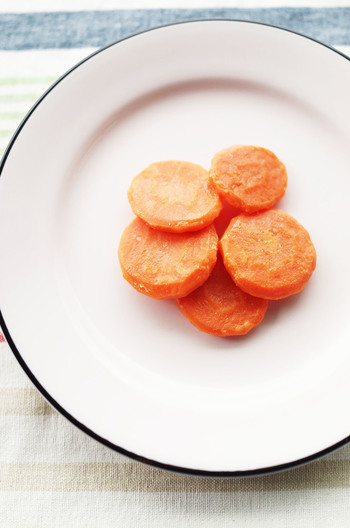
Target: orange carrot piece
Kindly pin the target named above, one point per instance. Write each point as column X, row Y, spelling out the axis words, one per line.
column 174, row 196
column 250, row 178
column 165, row 265
column 226, row 214
column 220, row 308
column 268, row 254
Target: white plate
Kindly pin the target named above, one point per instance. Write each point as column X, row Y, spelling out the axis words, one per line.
column 132, row 371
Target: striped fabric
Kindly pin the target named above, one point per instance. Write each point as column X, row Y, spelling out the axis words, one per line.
column 97, row 28
column 51, row 474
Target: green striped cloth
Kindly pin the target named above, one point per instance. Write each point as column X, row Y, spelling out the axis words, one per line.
column 17, row 95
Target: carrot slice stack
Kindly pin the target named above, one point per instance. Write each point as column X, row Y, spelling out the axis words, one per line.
column 220, row 308
column 268, row 254
column 164, row 265
column 250, row 178
column 174, row 196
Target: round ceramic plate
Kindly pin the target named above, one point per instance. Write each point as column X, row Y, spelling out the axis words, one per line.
column 132, row 371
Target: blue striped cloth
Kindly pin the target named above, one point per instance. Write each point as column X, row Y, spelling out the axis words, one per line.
column 98, row 28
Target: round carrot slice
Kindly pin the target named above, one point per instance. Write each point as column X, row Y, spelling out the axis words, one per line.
column 220, row 308
column 250, row 178
column 174, row 196
column 268, row 254
column 164, row 265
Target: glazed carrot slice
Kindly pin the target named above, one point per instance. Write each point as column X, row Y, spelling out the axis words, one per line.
column 268, row 254
column 250, row 178
column 174, row 196
column 164, row 265
column 220, row 308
